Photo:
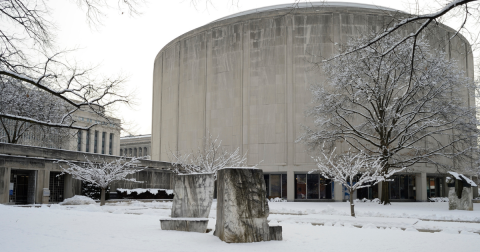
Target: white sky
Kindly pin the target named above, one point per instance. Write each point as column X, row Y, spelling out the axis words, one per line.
column 128, row 45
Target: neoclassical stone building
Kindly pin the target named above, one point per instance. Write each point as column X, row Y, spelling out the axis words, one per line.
column 136, row 146
column 246, row 78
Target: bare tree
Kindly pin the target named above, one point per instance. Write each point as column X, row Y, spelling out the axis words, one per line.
column 103, row 173
column 28, row 55
column 401, row 111
column 352, row 170
column 208, row 158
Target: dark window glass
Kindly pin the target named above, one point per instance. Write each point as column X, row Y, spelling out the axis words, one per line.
column 87, row 142
column 284, row 186
column 267, row 184
column 145, row 151
column 135, row 152
column 95, row 142
column 121, row 152
column 300, row 186
column 275, row 185
column 110, row 145
column 403, row 186
column 79, row 140
column 325, row 188
column 394, row 192
column 411, row 187
column 103, row 142
column 312, row 186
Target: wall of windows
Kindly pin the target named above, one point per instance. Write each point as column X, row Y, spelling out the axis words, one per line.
column 370, row 192
column 402, row 187
column 276, row 185
column 435, row 187
column 312, row 186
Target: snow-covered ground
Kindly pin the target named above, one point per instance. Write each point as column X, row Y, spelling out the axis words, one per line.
column 134, row 226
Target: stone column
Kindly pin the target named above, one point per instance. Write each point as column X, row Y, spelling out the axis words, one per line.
column 421, row 186
column 242, row 207
column 84, row 140
column 338, row 192
column 290, row 186
column 107, row 143
column 4, row 184
column 68, row 190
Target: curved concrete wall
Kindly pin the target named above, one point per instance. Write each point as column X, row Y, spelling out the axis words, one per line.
column 247, row 78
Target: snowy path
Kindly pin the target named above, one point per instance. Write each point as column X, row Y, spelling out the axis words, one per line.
column 135, row 227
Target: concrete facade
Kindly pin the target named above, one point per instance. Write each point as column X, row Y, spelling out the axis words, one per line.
column 246, row 78
column 136, row 146
column 39, row 163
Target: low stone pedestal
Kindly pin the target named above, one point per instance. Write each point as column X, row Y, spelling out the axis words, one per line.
column 191, row 203
column 242, row 206
column 185, row 224
column 275, row 233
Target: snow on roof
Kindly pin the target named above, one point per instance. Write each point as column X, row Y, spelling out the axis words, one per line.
column 462, row 178
column 307, row 5
column 137, row 136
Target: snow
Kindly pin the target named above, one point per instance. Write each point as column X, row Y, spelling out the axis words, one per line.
column 462, row 178
column 153, row 191
column 77, row 200
column 135, row 226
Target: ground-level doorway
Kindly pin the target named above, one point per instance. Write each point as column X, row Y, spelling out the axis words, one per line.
column 22, row 187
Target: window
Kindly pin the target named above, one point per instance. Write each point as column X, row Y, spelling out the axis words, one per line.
column 402, row 187
column 135, row 152
column 87, row 142
column 312, row 186
column 103, row 142
column 79, row 140
column 110, row 145
column 145, row 151
column 276, row 185
column 95, row 142
column 121, row 152
column 140, row 152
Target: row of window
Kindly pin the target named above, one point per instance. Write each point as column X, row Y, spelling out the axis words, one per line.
column 96, row 136
column 314, row 186
column 134, row 152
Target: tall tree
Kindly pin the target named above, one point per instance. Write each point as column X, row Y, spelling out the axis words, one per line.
column 402, row 110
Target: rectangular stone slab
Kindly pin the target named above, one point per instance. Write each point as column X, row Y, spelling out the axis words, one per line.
column 242, row 207
column 275, row 233
column 193, row 195
column 192, row 225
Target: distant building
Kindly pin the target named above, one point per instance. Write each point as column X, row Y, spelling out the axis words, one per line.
column 136, row 146
column 103, row 138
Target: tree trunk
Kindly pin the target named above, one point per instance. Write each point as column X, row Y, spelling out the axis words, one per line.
column 352, row 206
column 102, row 197
column 385, row 197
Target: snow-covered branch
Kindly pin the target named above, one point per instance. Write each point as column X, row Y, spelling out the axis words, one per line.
column 101, row 172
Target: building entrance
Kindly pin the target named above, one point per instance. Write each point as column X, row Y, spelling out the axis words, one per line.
column 22, row 187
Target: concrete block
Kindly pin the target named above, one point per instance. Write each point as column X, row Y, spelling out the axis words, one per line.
column 193, row 195
column 275, row 233
column 242, row 207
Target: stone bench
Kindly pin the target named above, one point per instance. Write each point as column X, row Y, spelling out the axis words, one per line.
column 185, row 224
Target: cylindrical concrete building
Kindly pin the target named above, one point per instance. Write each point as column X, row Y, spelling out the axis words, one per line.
column 247, row 77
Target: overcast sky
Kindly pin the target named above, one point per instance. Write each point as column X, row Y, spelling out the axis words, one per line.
column 128, row 45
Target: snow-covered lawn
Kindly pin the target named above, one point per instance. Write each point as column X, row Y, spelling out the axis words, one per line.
column 134, row 226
